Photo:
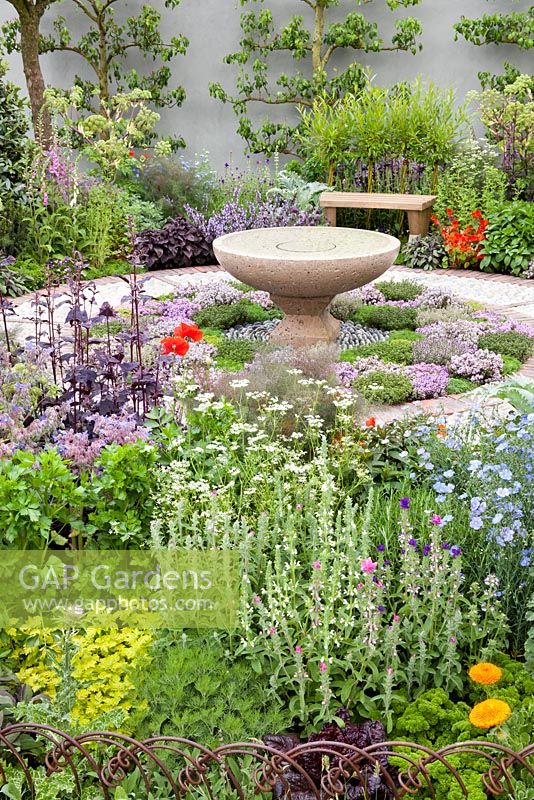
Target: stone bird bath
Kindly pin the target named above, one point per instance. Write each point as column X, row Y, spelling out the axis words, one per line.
column 303, row 269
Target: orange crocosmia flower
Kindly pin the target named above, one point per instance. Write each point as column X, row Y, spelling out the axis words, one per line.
column 370, row 423
column 485, row 672
column 174, row 344
column 190, row 331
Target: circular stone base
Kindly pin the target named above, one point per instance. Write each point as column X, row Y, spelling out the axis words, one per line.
column 306, row 321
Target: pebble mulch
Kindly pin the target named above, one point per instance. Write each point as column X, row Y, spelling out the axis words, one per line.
column 351, row 334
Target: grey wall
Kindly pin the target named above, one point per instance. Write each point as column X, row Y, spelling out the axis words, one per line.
column 213, row 29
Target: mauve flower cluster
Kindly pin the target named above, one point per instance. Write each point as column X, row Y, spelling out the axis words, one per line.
column 82, row 449
column 217, row 293
column 428, row 380
column 347, row 373
column 15, row 434
column 368, row 294
column 263, row 299
column 480, row 367
column 60, row 172
column 180, row 309
column 199, row 354
column 495, row 323
column 439, row 351
column 458, row 330
column 269, row 213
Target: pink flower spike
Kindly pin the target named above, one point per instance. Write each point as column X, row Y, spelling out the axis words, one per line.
column 360, row 585
column 435, row 519
column 323, row 666
column 298, row 649
column 396, row 618
column 257, row 599
column 272, row 631
column 317, row 565
column 368, row 565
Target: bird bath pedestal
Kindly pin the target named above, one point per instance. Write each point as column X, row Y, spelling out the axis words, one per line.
column 303, row 269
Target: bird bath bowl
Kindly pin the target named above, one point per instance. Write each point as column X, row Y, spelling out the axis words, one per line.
column 303, row 269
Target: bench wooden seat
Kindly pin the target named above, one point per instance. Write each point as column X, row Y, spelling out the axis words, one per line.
column 417, row 206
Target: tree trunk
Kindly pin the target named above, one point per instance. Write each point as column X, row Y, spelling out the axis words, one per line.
column 103, row 66
column 317, row 41
column 30, row 18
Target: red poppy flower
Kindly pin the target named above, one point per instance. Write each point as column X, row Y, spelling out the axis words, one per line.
column 190, row 331
column 174, row 344
column 370, row 423
column 131, row 153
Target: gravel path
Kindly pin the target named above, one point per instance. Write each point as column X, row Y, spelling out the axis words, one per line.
column 479, row 288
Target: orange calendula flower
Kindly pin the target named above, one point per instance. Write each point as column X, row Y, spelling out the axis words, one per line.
column 485, row 673
column 489, row 713
column 370, row 423
column 442, row 430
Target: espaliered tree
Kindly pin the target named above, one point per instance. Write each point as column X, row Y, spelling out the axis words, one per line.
column 105, row 47
column 516, row 28
column 312, row 41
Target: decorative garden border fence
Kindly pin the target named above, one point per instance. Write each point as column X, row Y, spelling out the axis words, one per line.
column 171, row 767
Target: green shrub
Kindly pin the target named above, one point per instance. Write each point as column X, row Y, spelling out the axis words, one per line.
column 13, row 136
column 510, row 365
column 460, row 385
column 427, row 316
column 196, row 692
column 388, row 318
column 400, row 290
column 513, row 344
column 225, row 316
column 405, row 336
column 31, row 271
column 384, row 387
column 397, row 352
column 234, row 353
column 425, row 252
column 509, row 241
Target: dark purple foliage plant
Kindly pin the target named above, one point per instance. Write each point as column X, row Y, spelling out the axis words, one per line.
column 372, row 778
column 178, row 244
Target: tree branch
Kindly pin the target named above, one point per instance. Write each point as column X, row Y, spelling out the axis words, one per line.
column 276, row 101
column 85, row 10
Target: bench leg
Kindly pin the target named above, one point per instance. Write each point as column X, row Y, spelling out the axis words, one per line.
column 331, row 216
column 419, row 222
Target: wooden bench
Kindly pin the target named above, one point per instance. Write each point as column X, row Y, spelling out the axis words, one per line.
column 417, row 206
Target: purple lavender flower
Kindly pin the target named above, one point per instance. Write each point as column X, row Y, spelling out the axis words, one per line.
column 404, row 502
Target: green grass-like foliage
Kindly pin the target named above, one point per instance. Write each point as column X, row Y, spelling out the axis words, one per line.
column 512, row 344
column 233, row 354
column 227, row 316
column 511, row 365
column 396, row 352
column 400, row 290
column 384, row 387
column 196, row 692
column 405, row 336
column 387, row 318
column 460, row 385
